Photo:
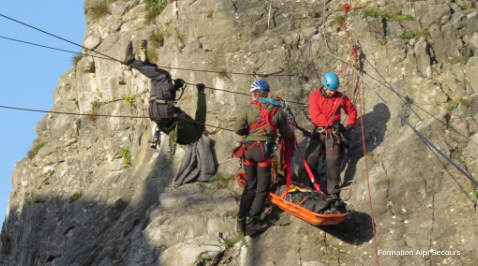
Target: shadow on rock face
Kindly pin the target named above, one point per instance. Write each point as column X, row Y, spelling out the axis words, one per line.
column 356, row 229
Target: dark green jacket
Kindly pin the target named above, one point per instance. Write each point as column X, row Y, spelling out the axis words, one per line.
column 249, row 115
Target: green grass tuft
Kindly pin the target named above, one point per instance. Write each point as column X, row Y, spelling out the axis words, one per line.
column 337, row 21
column 34, row 150
column 458, row 59
column 154, row 8
column 76, row 196
column 384, row 41
column 156, row 39
column 100, row 9
column 231, row 242
column 130, row 99
column 475, row 192
column 384, row 14
column 76, row 59
column 153, row 56
column 426, row 34
column 463, row 7
column 220, row 178
column 408, row 35
column 126, row 155
column 222, row 72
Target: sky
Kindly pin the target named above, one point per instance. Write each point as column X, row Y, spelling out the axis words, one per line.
column 29, row 74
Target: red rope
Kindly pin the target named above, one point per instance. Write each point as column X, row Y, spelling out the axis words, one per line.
column 354, row 51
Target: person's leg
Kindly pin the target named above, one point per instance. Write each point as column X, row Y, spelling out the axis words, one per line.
column 249, row 190
column 263, row 183
column 151, row 71
column 312, row 156
column 333, row 151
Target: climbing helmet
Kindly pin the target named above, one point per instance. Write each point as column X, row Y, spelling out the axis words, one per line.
column 331, row 81
column 260, row 85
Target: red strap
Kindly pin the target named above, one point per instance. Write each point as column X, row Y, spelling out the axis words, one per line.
column 307, row 168
column 264, row 163
column 247, row 162
column 266, row 118
column 286, row 154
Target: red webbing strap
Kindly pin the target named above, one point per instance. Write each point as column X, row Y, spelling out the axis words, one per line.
column 307, row 168
column 266, row 118
column 286, row 154
column 354, row 51
column 247, row 162
column 264, row 163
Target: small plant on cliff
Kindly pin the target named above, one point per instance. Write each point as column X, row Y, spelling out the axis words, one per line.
column 126, row 155
column 458, row 59
column 475, row 192
column 76, row 196
column 100, row 9
column 464, row 102
column 130, row 100
column 426, row 34
column 210, row 12
column 6, row 244
column 152, row 55
column 231, row 242
column 156, row 39
column 220, row 178
column 34, row 150
column 408, row 35
column 154, row 8
column 337, row 21
column 222, row 72
column 95, row 105
column 75, row 59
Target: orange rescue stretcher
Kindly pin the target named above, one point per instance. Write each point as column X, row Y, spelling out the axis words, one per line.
column 295, row 209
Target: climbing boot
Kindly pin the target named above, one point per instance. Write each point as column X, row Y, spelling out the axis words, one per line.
column 155, row 143
column 241, row 225
column 254, row 226
column 128, row 54
column 143, row 52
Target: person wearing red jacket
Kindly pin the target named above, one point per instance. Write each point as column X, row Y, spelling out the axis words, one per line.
column 325, row 106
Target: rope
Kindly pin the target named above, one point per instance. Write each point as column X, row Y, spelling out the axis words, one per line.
column 118, row 116
column 354, row 51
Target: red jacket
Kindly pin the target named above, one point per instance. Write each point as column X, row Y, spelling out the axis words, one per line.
column 321, row 109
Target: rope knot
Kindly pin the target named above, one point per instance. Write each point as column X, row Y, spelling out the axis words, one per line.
column 346, row 7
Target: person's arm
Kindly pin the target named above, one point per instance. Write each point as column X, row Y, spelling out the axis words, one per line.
column 241, row 127
column 349, row 109
column 315, row 110
column 284, row 128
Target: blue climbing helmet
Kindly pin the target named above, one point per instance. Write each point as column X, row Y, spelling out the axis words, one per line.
column 331, row 81
column 260, row 85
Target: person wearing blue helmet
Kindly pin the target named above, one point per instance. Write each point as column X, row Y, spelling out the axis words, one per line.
column 259, row 123
column 325, row 106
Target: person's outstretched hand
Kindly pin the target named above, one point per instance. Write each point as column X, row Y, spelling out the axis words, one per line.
column 200, row 87
column 178, row 83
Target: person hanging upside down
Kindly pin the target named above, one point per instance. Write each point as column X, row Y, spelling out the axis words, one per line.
column 163, row 95
column 259, row 123
column 324, row 109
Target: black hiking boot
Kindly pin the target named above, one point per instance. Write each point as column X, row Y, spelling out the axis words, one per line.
column 143, row 52
column 128, row 57
column 241, row 225
column 255, row 226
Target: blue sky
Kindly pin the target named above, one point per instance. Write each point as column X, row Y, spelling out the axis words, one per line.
column 29, row 74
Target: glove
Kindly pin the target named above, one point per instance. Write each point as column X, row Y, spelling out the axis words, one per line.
column 200, row 87
column 178, row 83
column 347, row 131
column 335, row 127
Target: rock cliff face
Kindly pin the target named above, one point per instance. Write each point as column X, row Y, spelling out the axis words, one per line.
column 76, row 203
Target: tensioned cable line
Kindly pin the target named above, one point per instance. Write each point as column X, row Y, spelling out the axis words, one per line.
column 114, row 59
column 431, row 144
column 210, row 71
column 53, row 48
column 116, row 116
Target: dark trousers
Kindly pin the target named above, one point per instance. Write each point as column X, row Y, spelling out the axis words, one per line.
column 258, row 180
column 192, row 129
column 333, row 152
